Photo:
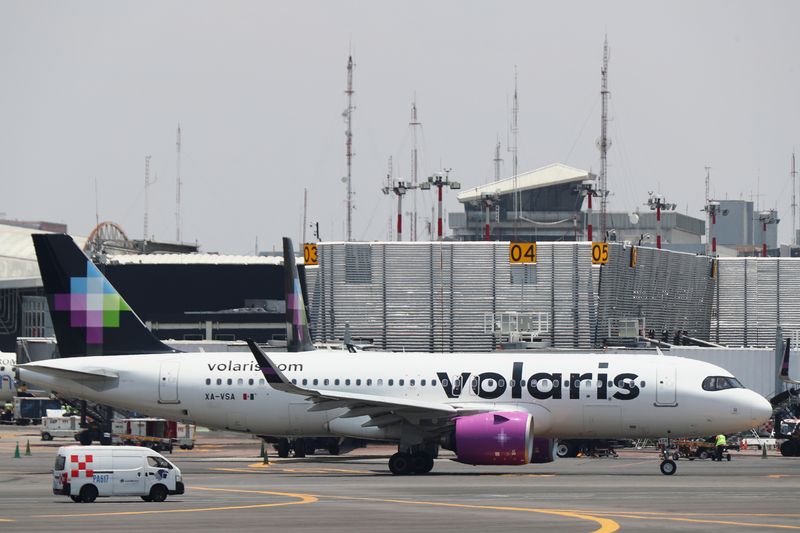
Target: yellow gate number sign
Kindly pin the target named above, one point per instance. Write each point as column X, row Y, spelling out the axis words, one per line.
column 310, row 254
column 522, row 252
column 599, row 253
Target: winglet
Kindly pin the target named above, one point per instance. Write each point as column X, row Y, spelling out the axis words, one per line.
column 298, row 338
column 272, row 373
column 784, row 371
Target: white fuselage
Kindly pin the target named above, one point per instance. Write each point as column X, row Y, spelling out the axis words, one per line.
column 7, row 386
column 598, row 395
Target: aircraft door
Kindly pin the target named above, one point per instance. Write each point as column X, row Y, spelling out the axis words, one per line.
column 666, row 387
column 168, row 382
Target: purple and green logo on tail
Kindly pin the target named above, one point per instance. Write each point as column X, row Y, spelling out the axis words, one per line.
column 93, row 304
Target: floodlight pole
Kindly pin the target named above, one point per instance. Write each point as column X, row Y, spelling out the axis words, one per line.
column 440, row 182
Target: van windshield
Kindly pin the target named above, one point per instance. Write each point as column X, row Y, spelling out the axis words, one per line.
column 60, row 462
column 158, row 462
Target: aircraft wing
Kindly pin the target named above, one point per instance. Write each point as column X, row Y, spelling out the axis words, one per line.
column 382, row 410
column 89, row 374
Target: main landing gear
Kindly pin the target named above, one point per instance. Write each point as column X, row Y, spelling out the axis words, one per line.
column 402, row 464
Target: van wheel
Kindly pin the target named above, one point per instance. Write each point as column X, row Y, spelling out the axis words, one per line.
column 88, row 493
column 76, row 499
column 47, row 436
column 158, row 493
column 146, row 498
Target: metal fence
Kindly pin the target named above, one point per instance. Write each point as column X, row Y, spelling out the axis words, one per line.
column 754, row 296
column 435, row 296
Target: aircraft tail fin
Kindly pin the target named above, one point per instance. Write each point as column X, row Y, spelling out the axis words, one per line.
column 298, row 338
column 784, row 370
column 89, row 315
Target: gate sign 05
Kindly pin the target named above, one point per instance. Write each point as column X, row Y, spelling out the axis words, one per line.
column 599, row 253
column 522, row 252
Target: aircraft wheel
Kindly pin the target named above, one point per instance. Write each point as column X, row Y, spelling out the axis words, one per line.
column 668, row 467
column 400, row 464
column 566, row 449
column 283, row 448
column 422, row 463
column 88, row 493
column 299, row 448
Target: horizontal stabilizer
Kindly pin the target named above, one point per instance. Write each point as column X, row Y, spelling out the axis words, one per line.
column 89, row 374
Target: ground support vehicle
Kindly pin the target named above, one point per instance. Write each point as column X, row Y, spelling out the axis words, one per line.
column 30, row 410
column 155, row 433
column 696, row 449
column 60, row 426
column 85, row 473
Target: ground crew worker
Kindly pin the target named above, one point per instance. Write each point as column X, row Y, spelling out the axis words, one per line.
column 721, row 443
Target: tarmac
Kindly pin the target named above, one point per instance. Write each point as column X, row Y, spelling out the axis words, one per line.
column 228, row 487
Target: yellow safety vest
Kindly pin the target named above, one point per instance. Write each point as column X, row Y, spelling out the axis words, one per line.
column 721, row 441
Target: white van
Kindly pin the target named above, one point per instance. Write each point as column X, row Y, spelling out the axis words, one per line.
column 85, row 472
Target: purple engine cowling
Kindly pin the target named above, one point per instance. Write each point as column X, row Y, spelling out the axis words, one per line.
column 544, row 450
column 502, row 438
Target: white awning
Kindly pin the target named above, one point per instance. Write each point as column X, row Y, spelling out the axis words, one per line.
column 548, row 176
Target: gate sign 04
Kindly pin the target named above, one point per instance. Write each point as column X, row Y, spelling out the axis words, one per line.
column 522, row 252
column 599, row 253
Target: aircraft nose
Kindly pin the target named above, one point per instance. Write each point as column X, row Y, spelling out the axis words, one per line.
column 760, row 409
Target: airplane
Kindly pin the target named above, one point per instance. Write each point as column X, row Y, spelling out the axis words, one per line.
column 785, row 373
column 489, row 409
column 8, row 386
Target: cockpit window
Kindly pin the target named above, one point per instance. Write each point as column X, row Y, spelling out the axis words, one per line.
column 713, row 383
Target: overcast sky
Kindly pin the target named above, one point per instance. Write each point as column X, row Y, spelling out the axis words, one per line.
column 88, row 89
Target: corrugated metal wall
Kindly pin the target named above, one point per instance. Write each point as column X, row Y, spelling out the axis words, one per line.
column 754, row 296
column 434, row 296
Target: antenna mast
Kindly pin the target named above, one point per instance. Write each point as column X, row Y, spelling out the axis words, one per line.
column 497, row 160
column 514, row 150
column 348, row 116
column 604, row 143
column 305, row 214
column 414, row 164
column 178, row 186
column 146, row 194
column 794, row 202
column 708, row 214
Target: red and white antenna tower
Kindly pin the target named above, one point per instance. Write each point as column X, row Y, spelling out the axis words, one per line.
column 514, row 149
column 348, row 117
column 178, row 186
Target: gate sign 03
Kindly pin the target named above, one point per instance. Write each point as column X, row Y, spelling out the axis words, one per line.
column 522, row 252
column 599, row 253
column 310, row 254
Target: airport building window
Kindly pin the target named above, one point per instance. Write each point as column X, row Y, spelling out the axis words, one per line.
column 358, row 263
column 208, row 381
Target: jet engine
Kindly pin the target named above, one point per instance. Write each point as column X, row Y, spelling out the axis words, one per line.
column 502, row 438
